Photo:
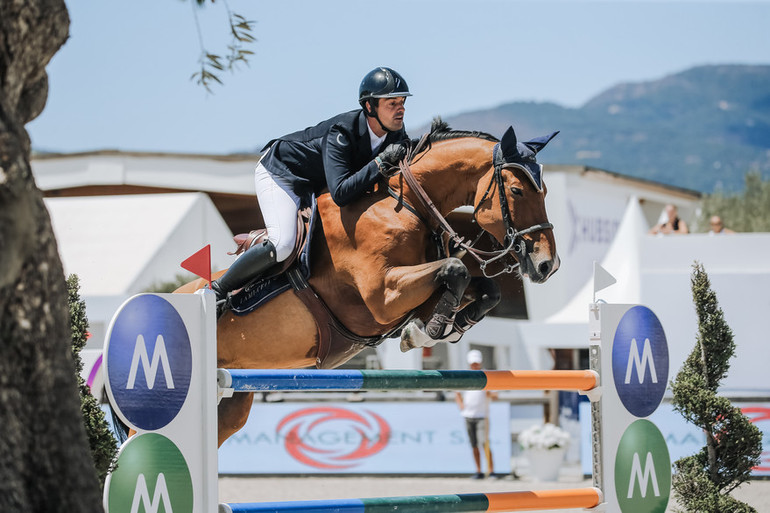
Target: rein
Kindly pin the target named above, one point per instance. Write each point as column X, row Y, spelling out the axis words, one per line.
column 513, row 238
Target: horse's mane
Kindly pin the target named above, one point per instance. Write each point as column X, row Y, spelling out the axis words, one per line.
column 440, row 131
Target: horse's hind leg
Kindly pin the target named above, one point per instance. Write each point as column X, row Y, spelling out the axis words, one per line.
column 455, row 276
column 232, row 414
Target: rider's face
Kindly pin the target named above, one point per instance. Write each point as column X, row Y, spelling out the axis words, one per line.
column 391, row 112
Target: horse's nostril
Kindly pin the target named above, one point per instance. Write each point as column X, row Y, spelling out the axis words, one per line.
column 544, row 268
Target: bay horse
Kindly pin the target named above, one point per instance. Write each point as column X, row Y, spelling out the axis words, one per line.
column 382, row 269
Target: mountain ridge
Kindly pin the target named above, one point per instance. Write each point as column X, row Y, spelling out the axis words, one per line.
column 703, row 128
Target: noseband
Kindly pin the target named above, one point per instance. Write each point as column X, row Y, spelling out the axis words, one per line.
column 513, row 241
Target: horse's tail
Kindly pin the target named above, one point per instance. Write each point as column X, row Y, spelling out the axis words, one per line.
column 118, row 426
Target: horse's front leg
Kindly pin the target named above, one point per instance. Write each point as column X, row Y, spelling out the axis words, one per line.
column 405, row 288
column 455, row 277
column 484, row 295
column 481, row 296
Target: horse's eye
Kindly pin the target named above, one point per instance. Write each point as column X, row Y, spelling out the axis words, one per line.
column 517, row 191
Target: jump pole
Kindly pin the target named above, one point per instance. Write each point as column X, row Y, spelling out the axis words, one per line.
column 256, row 380
column 469, row 502
column 161, row 344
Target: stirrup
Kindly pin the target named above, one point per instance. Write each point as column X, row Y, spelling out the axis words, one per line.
column 222, row 305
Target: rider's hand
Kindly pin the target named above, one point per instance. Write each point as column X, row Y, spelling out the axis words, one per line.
column 389, row 158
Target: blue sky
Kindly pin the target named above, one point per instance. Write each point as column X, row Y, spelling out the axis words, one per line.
column 122, row 81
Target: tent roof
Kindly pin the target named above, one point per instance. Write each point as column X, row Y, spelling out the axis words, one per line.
column 125, row 244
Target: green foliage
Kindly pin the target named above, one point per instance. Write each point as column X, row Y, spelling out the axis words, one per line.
column 103, row 446
column 748, row 211
column 703, row 481
column 212, row 64
column 171, row 285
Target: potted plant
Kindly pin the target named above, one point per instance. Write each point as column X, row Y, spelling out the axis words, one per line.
column 544, row 445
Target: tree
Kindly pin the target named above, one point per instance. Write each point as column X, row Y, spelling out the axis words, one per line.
column 45, row 463
column 703, row 481
column 748, row 211
column 212, row 64
column 103, row 445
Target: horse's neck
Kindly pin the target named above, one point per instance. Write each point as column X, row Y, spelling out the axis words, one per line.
column 451, row 174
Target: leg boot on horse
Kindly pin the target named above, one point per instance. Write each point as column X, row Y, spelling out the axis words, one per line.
column 253, row 262
column 455, row 276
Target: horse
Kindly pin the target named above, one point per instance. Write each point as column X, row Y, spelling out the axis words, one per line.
column 389, row 264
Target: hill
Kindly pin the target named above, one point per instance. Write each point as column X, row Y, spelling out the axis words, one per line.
column 700, row 129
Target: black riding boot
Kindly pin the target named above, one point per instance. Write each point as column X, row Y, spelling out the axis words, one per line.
column 248, row 266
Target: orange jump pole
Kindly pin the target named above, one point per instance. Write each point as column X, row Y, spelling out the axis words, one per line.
column 535, row 500
column 542, row 380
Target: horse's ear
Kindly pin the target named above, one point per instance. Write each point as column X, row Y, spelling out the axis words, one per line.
column 508, row 143
column 538, row 143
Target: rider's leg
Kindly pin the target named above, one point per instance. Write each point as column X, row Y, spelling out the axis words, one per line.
column 279, row 210
column 253, row 262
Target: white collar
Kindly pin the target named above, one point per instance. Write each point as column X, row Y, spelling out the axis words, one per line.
column 376, row 141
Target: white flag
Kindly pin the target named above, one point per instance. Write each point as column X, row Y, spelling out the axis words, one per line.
column 602, row 279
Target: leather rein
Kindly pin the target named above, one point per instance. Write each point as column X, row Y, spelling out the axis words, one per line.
column 513, row 238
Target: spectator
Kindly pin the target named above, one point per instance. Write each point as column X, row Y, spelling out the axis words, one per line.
column 672, row 225
column 717, row 226
column 474, row 407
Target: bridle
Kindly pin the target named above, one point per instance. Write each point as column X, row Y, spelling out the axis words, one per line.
column 513, row 241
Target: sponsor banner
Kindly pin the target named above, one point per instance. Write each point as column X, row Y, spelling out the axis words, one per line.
column 759, row 414
column 361, row 438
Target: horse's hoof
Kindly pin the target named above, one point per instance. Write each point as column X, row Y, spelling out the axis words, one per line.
column 413, row 336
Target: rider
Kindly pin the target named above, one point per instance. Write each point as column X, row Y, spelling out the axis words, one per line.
column 348, row 154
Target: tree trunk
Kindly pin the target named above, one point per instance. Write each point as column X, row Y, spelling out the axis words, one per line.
column 45, row 462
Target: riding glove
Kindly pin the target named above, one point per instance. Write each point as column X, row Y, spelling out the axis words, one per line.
column 388, row 159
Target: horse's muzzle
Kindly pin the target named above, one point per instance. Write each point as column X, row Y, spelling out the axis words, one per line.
column 539, row 270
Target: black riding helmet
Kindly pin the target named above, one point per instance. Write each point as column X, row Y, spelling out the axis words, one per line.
column 381, row 83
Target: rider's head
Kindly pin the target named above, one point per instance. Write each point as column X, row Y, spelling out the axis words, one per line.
column 382, row 95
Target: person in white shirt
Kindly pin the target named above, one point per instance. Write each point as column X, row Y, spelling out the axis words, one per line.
column 474, row 407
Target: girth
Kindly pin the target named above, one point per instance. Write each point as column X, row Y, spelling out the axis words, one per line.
column 336, row 344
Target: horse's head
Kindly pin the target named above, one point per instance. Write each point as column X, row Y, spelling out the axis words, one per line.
column 510, row 205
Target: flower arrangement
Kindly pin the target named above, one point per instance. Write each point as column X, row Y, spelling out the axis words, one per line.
column 543, row 436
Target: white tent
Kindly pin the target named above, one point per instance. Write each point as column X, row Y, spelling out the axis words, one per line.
column 123, row 245
column 621, row 261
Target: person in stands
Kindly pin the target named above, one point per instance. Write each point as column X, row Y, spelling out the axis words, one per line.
column 672, row 225
column 474, row 407
column 717, row 227
column 348, row 154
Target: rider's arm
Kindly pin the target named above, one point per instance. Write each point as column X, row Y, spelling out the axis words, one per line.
column 345, row 183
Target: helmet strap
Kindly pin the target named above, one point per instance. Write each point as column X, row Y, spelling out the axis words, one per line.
column 373, row 114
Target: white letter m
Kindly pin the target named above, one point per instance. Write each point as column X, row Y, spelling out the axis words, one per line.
column 159, row 356
column 142, row 494
column 640, row 363
column 649, row 472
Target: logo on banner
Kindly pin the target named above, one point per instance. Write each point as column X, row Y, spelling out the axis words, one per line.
column 151, row 476
column 640, row 361
column 333, row 438
column 149, row 361
column 760, row 415
column 643, row 469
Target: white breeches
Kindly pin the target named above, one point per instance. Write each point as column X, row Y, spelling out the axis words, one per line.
column 279, row 210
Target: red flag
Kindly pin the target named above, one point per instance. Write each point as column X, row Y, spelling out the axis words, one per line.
column 200, row 263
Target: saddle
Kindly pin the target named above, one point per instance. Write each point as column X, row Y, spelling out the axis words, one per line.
column 336, row 344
